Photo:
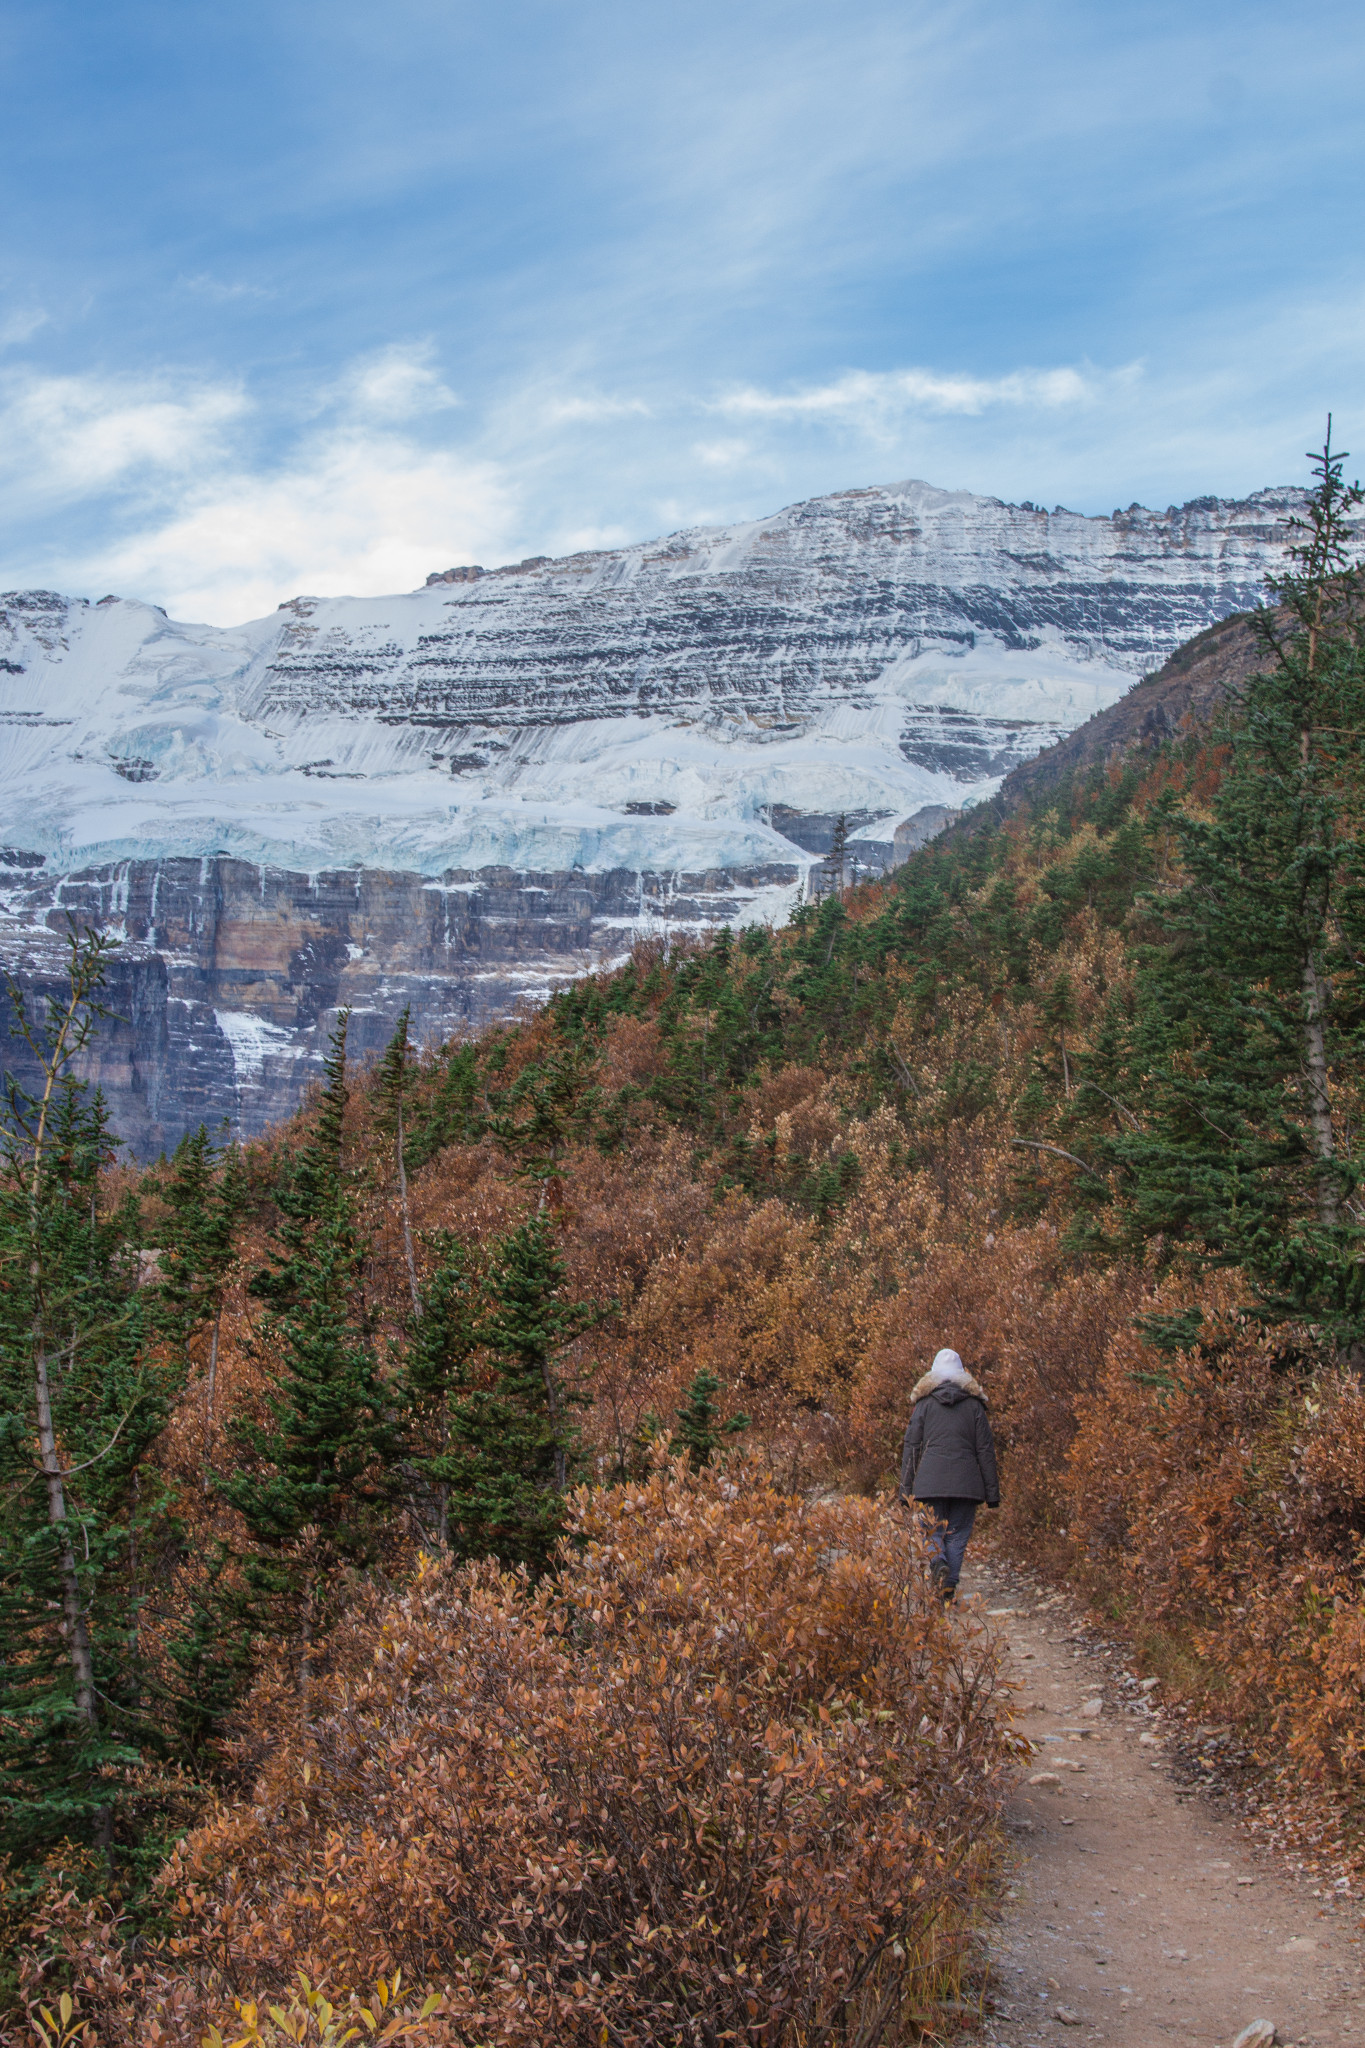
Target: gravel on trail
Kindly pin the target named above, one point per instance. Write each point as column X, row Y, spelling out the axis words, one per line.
column 1136, row 1911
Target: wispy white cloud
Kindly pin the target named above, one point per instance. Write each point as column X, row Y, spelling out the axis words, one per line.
column 722, row 454
column 587, row 540
column 199, row 520
column 219, row 510
column 354, row 511
column 20, row 324
column 586, row 408
column 872, row 393
column 398, row 383
column 70, row 437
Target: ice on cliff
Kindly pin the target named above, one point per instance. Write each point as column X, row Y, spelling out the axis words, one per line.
column 871, row 652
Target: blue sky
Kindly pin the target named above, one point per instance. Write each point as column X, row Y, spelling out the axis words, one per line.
column 298, row 296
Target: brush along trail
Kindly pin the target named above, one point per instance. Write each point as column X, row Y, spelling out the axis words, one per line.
column 1135, row 1911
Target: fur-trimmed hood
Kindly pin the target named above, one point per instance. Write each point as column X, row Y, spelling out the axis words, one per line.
column 966, row 1385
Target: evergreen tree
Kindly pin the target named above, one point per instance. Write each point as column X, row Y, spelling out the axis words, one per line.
column 699, row 1433
column 203, row 1188
column 511, row 1432
column 1059, row 1014
column 1251, row 1016
column 321, row 1463
column 392, row 1080
column 211, row 1652
column 549, row 1106
column 452, row 1112
column 441, row 1344
column 82, row 1396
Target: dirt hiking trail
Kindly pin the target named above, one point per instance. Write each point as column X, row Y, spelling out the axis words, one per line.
column 1135, row 1912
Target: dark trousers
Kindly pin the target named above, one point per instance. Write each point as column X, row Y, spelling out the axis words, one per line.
column 948, row 1538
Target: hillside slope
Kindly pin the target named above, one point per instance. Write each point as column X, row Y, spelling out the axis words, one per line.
column 1183, row 694
column 1042, row 1095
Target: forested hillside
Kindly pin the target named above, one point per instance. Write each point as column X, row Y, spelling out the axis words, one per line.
column 343, row 1546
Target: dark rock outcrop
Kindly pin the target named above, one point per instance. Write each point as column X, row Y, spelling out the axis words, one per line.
column 228, row 976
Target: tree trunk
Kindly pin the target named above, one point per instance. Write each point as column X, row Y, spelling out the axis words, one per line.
column 74, row 1625
column 1319, row 1095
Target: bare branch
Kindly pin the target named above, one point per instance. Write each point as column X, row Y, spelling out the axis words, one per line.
column 1037, row 1145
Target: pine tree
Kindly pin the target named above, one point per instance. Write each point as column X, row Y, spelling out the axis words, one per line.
column 82, row 1396
column 1059, row 1015
column 549, row 1106
column 441, row 1344
column 511, row 1431
column 452, row 1112
column 1251, row 1015
column 211, row 1652
column 203, row 1189
column 392, row 1083
column 312, row 1479
column 699, row 1433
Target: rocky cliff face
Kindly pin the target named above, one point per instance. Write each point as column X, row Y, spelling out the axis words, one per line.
column 455, row 797
column 229, row 975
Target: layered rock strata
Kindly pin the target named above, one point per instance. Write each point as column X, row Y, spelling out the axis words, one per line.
column 454, row 797
column 228, row 976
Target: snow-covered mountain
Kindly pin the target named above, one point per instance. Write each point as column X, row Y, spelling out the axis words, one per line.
column 680, row 719
column 873, row 651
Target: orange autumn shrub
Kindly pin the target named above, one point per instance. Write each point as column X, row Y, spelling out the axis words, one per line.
column 1218, row 1500
column 731, row 1773
column 1035, row 1331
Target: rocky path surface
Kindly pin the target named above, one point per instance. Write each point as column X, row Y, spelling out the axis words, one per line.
column 1136, row 1913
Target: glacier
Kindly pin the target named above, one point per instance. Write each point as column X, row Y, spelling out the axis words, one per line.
column 548, row 760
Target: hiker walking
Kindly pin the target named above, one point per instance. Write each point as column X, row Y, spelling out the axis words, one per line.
column 948, row 1462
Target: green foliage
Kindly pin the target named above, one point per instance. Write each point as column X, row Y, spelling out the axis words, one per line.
column 1250, row 1022
column 393, row 1087
column 442, row 1340
column 83, row 1394
column 453, row 1111
column 509, row 1428
column 210, row 1650
column 323, row 1460
column 393, row 1076
column 549, row 1106
column 203, row 1189
column 699, row 1431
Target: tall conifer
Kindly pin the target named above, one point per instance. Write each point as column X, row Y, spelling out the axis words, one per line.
column 1251, row 1016
column 82, row 1396
column 392, row 1079
column 441, row 1343
column 321, row 1463
column 511, row 1432
column 202, row 1188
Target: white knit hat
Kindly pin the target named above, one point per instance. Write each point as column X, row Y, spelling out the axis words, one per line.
column 947, row 1366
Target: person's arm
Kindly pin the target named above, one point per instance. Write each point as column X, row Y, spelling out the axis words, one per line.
column 985, row 1456
column 912, row 1449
